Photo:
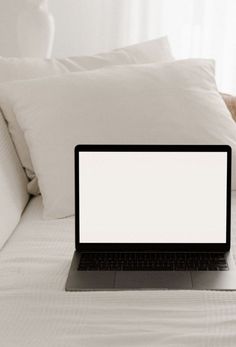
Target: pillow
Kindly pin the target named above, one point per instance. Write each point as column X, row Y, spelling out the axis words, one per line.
column 27, row 68
column 13, row 197
column 172, row 103
column 230, row 101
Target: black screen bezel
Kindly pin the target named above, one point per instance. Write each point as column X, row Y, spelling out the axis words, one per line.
column 153, row 247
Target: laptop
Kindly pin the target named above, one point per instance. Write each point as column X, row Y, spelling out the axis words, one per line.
column 152, row 217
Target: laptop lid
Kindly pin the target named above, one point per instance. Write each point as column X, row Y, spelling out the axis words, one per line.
column 152, row 197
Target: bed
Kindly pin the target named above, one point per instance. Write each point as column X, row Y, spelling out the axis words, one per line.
column 35, row 253
column 36, row 310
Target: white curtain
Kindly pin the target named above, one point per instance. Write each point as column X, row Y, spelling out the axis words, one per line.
column 196, row 28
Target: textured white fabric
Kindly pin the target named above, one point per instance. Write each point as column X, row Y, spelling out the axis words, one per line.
column 13, row 185
column 36, row 311
column 23, row 69
column 175, row 102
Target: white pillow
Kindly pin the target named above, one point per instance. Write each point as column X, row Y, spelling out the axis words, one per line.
column 21, row 69
column 172, row 103
column 13, row 196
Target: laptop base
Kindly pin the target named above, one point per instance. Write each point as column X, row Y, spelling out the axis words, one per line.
column 149, row 280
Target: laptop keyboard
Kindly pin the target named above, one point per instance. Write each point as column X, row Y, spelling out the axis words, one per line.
column 153, row 262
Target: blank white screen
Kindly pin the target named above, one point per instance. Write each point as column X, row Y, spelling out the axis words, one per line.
column 152, row 197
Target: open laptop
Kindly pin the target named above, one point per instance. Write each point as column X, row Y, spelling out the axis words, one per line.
column 152, row 217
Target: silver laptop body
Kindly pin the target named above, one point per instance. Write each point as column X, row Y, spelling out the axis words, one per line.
column 152, row 217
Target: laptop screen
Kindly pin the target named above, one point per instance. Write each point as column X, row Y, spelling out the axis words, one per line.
column 152, row 197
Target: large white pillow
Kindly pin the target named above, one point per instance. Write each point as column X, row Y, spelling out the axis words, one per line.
column 13, row 194
column 21, row 69
column 172, row 103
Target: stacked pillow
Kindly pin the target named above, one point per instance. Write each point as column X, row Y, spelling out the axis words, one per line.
column 12, row 69
column 168, row 103
column 13, row 196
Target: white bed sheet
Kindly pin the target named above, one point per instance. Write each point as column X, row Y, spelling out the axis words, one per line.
column 35, row 310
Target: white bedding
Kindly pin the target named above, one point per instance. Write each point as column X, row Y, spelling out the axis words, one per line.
column 35, row 310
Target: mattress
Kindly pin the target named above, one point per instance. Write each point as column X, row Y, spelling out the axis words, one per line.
column 36, row 311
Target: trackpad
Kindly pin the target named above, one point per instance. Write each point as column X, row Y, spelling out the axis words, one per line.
column 91, row 280
column 153, row 279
